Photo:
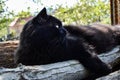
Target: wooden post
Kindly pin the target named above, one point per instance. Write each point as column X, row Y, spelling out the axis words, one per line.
column 115, row 13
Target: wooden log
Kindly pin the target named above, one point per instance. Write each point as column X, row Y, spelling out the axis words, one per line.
column 7, row 49
column 113, row 76
column 67, row 70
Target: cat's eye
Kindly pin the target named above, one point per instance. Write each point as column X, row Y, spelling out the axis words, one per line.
column 57, row 26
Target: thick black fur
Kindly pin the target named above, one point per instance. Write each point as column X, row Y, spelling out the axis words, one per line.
column 103, row 37
column 44, row 40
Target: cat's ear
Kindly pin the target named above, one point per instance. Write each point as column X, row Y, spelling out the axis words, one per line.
column 42, row 16
column 42, row 13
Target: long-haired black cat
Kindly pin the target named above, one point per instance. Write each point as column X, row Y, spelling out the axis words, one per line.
column 44, row 40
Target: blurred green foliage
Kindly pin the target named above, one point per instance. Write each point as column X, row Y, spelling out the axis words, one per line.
column 6, row 17
column 2, row 4
column 24, row 14
column 85, row 12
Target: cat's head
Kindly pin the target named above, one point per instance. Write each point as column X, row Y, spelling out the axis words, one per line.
column 45, row 27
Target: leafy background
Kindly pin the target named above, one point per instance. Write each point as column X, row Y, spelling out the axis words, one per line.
column 83, row 12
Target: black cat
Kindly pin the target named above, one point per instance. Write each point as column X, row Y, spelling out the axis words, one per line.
column 103, row 37
column 44, row 40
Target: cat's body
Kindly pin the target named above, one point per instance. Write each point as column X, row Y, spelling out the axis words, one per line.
column 103, row 37
column 44, row 40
